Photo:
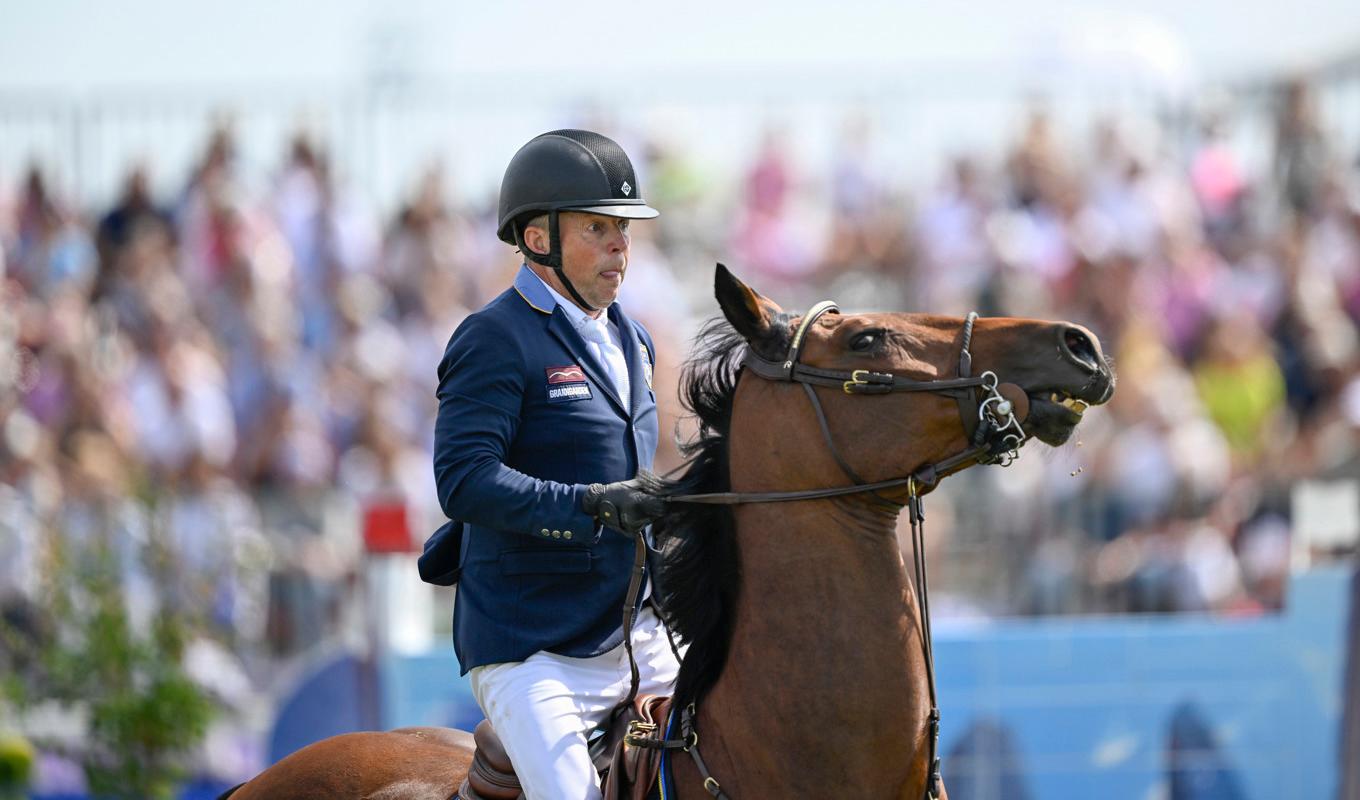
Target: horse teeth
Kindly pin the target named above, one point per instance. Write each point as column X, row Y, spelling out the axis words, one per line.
column 1069, row 402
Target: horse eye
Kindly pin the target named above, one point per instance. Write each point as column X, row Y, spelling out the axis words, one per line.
column 864, row 342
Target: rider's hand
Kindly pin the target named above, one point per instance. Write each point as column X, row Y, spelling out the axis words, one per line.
column 623, row 506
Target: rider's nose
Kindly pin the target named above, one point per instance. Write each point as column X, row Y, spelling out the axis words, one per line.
column 618, row 240
column 1080, row 346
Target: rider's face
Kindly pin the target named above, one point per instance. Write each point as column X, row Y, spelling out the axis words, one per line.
column 594, row 254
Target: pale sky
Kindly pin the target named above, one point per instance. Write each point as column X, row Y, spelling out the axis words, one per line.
column 66, row 44
column 939, row 77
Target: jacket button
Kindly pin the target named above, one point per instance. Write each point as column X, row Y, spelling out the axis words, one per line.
column 544, row 532
column 566, row 534
column 557, row 534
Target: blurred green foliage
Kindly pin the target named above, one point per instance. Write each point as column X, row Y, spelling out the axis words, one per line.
column 143, row 715
column 16, row 765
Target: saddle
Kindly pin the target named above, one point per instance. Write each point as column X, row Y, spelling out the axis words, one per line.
column 627, row 771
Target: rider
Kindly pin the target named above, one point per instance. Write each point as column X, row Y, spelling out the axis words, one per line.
column 546, row 414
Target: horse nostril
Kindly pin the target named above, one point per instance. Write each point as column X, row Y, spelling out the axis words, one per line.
column 1081, row 348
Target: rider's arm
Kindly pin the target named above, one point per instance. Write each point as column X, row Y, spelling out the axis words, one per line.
column 481, row 387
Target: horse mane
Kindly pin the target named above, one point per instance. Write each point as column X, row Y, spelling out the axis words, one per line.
column 698, row 575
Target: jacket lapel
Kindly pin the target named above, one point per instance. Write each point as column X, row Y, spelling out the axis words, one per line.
column 561, row 327
column 640, row 364
column 540, row 299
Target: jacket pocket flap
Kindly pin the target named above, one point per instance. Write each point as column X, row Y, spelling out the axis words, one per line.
column 545, row 562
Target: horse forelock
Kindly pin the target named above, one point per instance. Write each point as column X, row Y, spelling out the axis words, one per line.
column 699, row 573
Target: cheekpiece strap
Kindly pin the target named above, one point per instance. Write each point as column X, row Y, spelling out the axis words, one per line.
column 965, row 353
column 826, row 306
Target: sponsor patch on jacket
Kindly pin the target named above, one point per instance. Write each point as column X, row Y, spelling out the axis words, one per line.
column 646, row 364
column 566, row 384
column 568, row 374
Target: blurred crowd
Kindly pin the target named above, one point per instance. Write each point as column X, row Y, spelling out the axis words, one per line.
column 1229, row 294
column 239, row 367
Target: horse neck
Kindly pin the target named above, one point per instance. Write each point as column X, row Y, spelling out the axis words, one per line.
column 825, row 673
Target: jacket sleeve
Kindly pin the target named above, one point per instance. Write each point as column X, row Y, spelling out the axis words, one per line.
column 481, row 387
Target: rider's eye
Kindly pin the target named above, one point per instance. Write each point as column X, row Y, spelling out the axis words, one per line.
column 865, row 342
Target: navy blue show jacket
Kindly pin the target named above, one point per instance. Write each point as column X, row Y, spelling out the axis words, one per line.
column 528, row 417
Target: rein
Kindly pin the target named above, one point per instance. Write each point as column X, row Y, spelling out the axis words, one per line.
column 994, row 434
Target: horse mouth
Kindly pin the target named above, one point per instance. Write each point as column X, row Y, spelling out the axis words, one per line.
column 1053, row 415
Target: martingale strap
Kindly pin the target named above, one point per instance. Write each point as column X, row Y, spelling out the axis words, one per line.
column 917, row 516
column 629, row 613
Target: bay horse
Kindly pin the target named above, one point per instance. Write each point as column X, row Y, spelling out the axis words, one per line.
column 808, row 669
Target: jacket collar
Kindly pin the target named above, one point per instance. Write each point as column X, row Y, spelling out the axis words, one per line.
column 543, row 298
column 534, row 291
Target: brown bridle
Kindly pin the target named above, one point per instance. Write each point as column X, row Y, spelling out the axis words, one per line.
column 994, row 435
column 993, row 429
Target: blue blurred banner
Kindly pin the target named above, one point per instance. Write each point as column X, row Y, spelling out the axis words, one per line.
column 1190, row 708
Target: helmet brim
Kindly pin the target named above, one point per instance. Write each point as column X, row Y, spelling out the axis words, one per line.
column 630, row 211
column 624, row 210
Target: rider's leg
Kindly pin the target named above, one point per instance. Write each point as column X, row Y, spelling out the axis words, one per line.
column 544, row 707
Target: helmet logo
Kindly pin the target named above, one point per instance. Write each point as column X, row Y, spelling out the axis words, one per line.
column 626, row 189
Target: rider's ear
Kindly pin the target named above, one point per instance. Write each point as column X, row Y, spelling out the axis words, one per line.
column 536, row 236
column 750, row 313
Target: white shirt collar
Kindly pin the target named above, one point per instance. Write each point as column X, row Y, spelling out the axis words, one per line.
column 579, row 319
column 577, row 316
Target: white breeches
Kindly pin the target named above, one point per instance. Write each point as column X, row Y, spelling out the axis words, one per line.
column 543, row 707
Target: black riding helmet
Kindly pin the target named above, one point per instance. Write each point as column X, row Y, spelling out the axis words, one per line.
column 566, row 170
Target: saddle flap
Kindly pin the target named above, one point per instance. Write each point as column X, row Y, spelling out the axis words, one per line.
column 491, row 776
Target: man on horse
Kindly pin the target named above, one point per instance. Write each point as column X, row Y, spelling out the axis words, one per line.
column 546, row 415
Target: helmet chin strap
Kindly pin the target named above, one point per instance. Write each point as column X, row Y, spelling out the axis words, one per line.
column 553, row 258
column 575, row 295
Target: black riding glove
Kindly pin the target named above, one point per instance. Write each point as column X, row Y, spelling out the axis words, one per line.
column 623, row 506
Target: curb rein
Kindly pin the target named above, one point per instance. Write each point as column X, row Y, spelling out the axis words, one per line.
column 995, row 437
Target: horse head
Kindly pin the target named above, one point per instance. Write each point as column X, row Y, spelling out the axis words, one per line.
column 890, row 389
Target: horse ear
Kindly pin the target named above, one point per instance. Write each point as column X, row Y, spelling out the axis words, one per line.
column 749, row 312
